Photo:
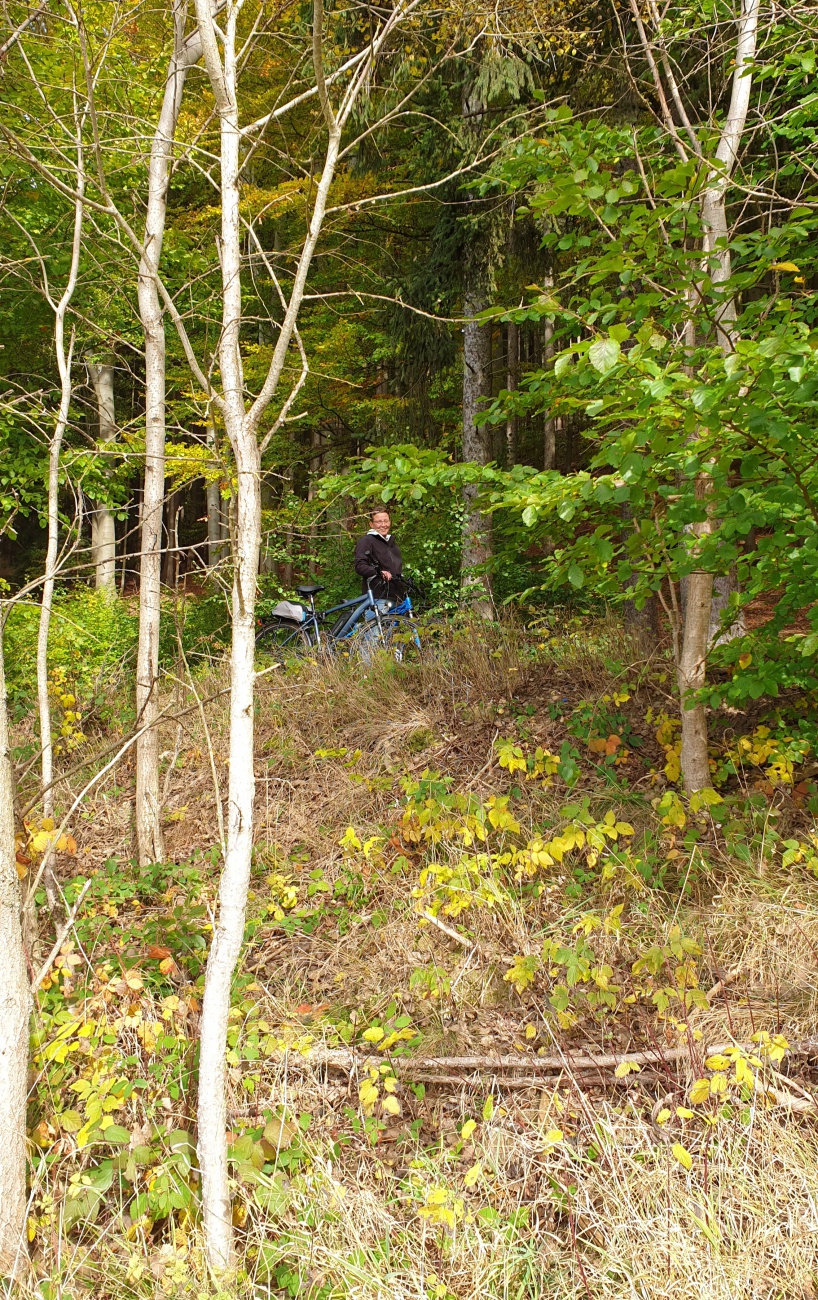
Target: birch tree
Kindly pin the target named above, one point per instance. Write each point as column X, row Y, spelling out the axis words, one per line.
column 186, row 53
column 64, row 358
column 103, row 526
column 15, row 1006
column 242, row 421
column 697, row 629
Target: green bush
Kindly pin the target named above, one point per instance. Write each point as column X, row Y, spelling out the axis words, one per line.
column 92, row 639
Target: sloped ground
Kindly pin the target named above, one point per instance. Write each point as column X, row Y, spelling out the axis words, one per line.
column 447, row 961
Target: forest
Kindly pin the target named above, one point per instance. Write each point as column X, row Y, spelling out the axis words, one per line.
column 408, row 650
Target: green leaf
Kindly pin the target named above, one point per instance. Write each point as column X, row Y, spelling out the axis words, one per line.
column 563, row 361
column 117, row 1135
column 604, row 354
column 575, row 576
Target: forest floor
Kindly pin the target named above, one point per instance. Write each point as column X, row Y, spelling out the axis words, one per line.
column 514, row 1017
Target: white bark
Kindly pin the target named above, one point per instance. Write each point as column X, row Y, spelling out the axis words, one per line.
column 715, row 242
column 242, row 427
column 103, row 528
column 15, row 1007
column 51, row 557
column 148, row 800
column 700, row 626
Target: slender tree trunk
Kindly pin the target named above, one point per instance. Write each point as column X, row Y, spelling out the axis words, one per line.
column 242, row 427
column 691, row 675
column 216, row 531
column 549, row 424
column 477, row 539
column 512, row 381
column 228, row 935
column 148, row 800
column 15, row 1009
column 52, row 546
column 103, row 527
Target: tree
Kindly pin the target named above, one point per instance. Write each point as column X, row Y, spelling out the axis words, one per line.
column 15, row 1008
column 103, row 527
column 187, row 51
column 242, row 424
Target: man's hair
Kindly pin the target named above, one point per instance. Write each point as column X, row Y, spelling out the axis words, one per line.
column 379, row 510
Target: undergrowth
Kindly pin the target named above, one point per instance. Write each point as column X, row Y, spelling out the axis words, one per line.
column 472, row 875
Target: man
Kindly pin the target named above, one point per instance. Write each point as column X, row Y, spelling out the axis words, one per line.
column 378, row 557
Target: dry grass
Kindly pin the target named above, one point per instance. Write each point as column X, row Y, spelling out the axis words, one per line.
column 606, row 1210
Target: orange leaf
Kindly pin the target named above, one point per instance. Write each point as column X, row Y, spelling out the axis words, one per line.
column 158, row 954
column 167, row 965
column 612, row 744
column 598, row 746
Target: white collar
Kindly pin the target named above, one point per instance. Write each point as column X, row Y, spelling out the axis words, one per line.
column 373, row 532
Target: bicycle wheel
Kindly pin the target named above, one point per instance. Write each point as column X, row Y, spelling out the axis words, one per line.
column 396, row 636
column 400, row 637
column 283, row 639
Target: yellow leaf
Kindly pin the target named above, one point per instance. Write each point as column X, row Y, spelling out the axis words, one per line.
column 471, row 1176
column 391, row 1105
column 373, row 1035
column 682, row 1155
column 134, row 982
column 717, row 1062
column 700, row 1091
column 663, row 1116
column 530, row 1031
column 553, row 1136
column 684, row 1113
column 784, row 266
column 467, row 1129
column 40, row 841
column 47, row 823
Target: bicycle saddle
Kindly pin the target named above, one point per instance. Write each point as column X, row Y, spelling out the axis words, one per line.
column 309, row 589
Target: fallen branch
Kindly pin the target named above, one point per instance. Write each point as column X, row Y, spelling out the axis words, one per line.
column 351, row 1060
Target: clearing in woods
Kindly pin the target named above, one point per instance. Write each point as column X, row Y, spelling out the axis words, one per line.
column 514, row 1017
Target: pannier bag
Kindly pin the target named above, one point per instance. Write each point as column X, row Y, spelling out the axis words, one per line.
column 288, row 609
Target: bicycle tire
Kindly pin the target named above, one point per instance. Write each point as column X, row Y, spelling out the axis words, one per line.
column 400, row 636
column 396, row 635
column 283, row 639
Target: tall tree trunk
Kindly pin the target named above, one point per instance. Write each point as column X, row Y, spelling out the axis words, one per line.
column 699, row 626
column 216, row 531
column 477, row 539
column 103, row 527
column 549, row 424
column 512, row 381
column 242, row 427
column 148, row 800
column 15, row 1009
column 691, row 675
column 52, row 547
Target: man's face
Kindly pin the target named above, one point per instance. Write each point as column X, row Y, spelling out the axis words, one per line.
column 381, row 522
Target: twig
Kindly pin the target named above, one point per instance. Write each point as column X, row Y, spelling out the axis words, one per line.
column 464, row 942
column 60, row 939
column 718, row 988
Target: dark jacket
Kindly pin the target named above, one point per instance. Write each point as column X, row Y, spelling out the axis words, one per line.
column 374, row 553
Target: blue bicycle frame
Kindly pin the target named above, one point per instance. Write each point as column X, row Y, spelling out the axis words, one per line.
column 351, row 612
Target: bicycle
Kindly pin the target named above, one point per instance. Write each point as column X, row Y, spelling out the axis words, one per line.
column 362, row 625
